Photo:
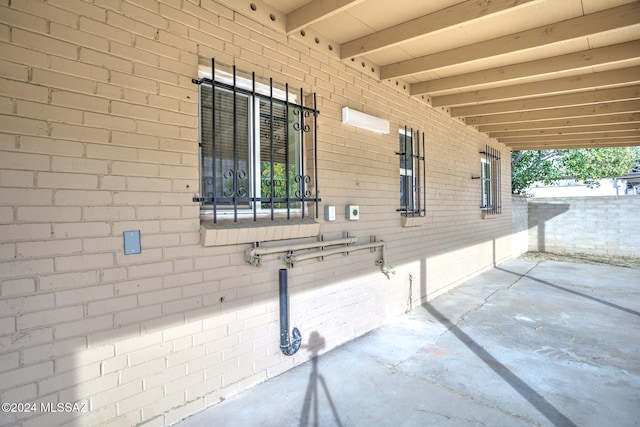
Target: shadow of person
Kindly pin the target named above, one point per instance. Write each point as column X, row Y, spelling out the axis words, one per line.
column 315, row 344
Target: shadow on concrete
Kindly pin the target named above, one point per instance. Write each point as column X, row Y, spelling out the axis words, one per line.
column 556, row 417
column 598, row 300
column 316, row 343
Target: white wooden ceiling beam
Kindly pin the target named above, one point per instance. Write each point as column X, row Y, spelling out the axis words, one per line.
column 582, row 26
column 315, row 11
column 566, row 122
column 566, row 145
column 600, row 79
column 554, row 113
column 585, row 143
column 449, row 17
column 571, row 61
column 580, row 98
column 566, row 130
column 579, row 137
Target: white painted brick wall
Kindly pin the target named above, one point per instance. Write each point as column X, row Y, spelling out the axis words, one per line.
column 98, row 135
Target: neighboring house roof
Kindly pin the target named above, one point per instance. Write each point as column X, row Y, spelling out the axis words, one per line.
column 631, row 177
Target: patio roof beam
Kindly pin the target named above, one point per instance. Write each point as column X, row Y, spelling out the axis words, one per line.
column 315, row 11
column 578, row 137
column 578, row 130
column 553, row 101
column 629, row 75
column 449, row 17
column 606, row 20
column 585, row 143
column 553, row 113
column 572, row 61
column 566, row 122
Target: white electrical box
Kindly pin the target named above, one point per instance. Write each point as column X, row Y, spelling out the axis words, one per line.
column 329, row 213
column 353, row 212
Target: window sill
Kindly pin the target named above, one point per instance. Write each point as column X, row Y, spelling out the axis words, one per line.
column 486, row 215
column 412, row 221
column 233, row 233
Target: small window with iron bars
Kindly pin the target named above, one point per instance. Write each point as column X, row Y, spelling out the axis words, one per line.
column 490, row 178
column 413, row 189
column 258, row 151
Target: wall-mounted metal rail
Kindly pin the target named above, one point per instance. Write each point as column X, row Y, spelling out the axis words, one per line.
column 254, row 255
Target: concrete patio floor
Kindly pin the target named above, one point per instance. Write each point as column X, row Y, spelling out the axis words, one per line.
column 527, row 343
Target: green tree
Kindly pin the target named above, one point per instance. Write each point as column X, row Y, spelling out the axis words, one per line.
column 585, row 165
column 279, row 184
column 528, row 167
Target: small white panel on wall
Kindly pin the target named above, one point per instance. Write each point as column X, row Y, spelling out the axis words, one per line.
column 352, row 212
column 329, row 213
column 364, row 121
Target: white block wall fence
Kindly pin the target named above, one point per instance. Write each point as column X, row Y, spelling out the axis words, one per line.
column 603, row 225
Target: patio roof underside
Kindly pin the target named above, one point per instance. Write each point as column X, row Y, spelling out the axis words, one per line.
column 533, row 74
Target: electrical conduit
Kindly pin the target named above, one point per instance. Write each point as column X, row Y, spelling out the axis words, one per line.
column 287, row 347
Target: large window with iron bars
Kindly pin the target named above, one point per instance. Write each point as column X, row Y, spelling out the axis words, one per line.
column 490, row 179
column 258, row 152
column 412, row 172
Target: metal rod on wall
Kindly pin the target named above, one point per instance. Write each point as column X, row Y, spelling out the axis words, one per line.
column 293, row 258
column 286, row 149
column 424, row 176
column 213, row 140
column 302, row 165
column 315, row 150
column 254, row 254
column 272, row 182
column 418, row 181
column 235, row 149
column 254, row 154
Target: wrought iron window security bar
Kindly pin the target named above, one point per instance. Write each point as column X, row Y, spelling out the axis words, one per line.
column 339, row 246
column 255, row 149
column 413, row 173
column 491, row 180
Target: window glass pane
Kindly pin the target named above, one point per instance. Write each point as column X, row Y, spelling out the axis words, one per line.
column 279, row 145
column 407, row 186
column 227, row 162
column 406, row 147
column 486, row 184
column 406, row 192
column 295, row 155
